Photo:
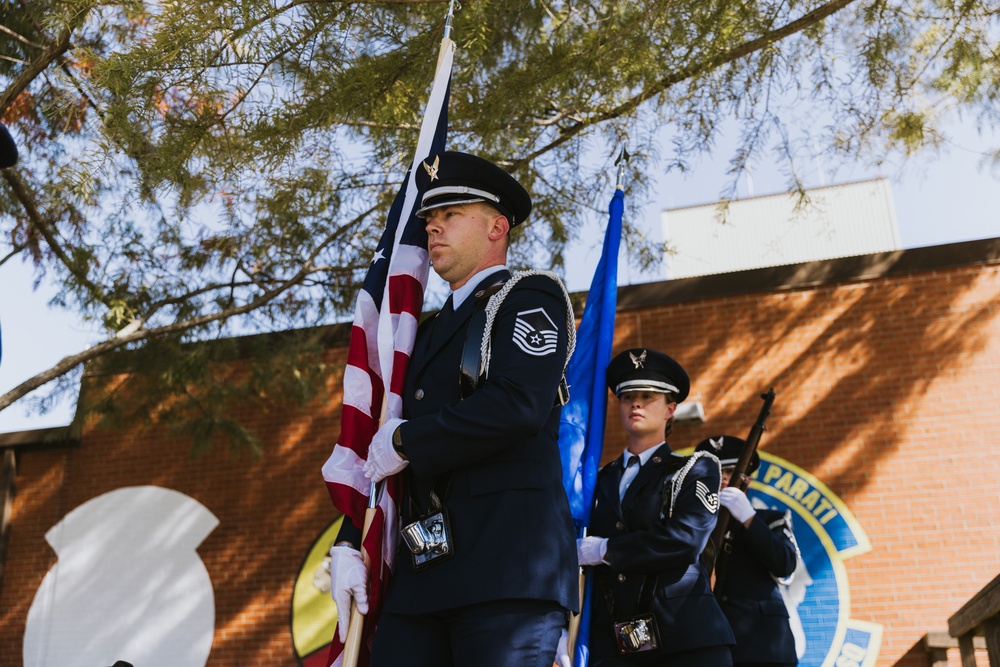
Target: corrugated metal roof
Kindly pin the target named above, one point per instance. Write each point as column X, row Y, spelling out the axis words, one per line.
column 835, row 221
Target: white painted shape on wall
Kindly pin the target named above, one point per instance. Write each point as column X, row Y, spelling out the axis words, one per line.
column 128, row 584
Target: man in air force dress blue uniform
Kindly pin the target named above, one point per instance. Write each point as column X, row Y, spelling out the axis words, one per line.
column 479, row 452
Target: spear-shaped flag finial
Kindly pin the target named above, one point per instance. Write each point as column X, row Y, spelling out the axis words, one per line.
column 447, row 20
column 620, row 163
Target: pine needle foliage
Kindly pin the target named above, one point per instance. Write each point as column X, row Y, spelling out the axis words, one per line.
column 194, row 169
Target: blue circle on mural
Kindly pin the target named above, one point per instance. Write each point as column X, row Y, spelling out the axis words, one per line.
column 818, row 594
column 812, row 594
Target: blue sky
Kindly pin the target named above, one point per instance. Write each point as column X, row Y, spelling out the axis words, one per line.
column 942, row 197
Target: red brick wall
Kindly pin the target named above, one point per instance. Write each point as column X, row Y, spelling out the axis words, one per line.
column 887, row 391
column 270, row 511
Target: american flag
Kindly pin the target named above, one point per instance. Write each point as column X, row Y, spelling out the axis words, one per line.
column 385, row 325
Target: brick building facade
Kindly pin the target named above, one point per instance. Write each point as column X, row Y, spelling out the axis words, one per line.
column 887, row 374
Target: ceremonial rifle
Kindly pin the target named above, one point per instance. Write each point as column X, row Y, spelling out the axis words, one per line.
column 720, row 544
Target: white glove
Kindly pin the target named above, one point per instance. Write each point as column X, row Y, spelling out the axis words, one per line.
column 382, row 458
column 591, row 550
column 737, row 503
column 348, row 579
column 562, row 651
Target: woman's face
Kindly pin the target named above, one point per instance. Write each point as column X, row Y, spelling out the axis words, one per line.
column 645, row 413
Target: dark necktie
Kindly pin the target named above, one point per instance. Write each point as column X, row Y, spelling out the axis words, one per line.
column 441, row 321
column 631, row 470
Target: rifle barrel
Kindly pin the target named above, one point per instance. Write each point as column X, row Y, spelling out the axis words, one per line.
column 715, row 556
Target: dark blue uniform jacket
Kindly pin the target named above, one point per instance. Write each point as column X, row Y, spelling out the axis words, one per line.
column 510, row 520
column 645, row 538
column 749, row 593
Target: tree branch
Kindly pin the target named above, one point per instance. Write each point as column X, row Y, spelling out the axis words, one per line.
column 42, row 225
column 21, row 38
column 386, row 2
column 55, row 50
column 67, row 364
column 741, row 51
column 17, row 248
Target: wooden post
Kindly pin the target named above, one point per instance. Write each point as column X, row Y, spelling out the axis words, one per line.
column 979, row 616
column 991, row 632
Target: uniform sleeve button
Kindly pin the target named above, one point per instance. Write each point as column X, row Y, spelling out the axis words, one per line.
column 419, row 394
column 620, row 526
column 621, row 578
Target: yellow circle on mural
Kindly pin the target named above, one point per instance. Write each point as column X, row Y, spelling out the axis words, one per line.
column 314, row 615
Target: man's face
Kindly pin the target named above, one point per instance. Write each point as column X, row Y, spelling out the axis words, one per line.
column 727, row 473
column 645, row 413
column 458, row 237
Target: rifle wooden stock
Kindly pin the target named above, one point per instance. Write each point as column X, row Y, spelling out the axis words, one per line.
column 716, row 554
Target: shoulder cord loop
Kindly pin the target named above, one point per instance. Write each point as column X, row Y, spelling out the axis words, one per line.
column 678, row 480
column 494, row 306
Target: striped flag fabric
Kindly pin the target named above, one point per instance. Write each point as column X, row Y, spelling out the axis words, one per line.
column 581, row 426
column 385, row 324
